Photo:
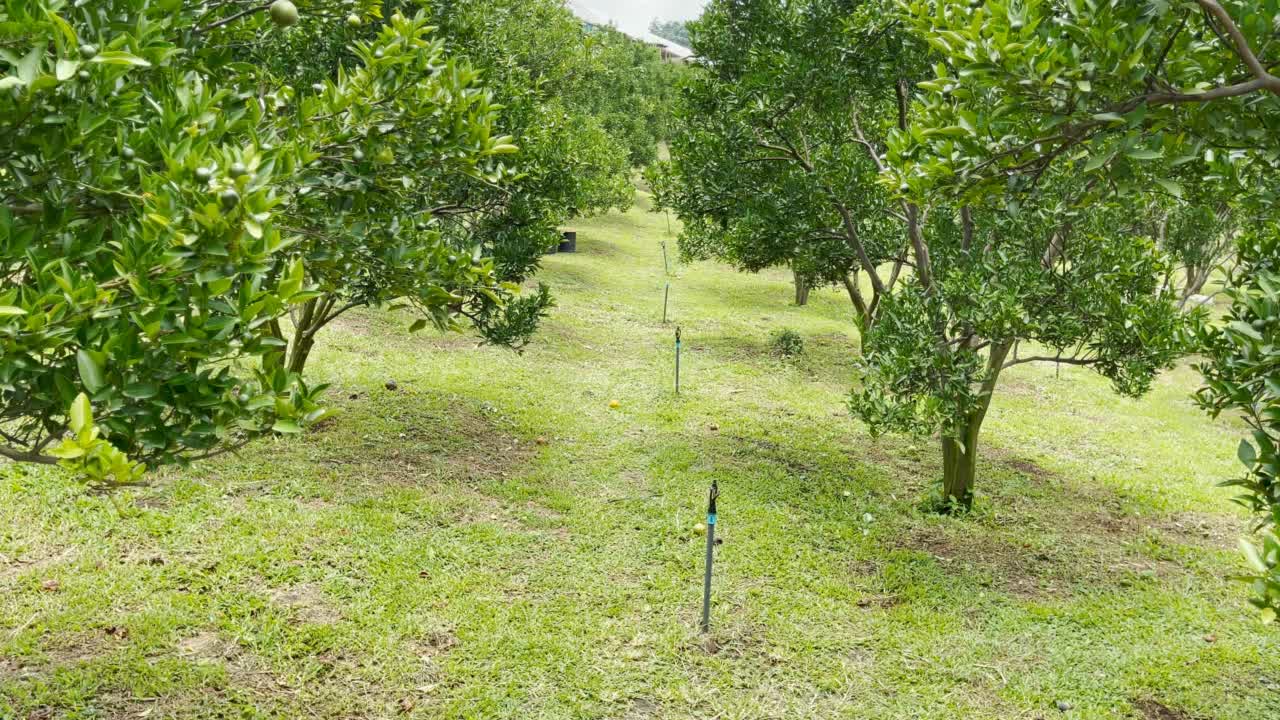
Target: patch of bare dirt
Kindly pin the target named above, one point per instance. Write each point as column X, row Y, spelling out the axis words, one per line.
column 1026, row 571
column 435, row 644
column 777, row 453
column 307, row 603
column 1156, row 710
column 456, row 441
column 12, row 568
column 1204, row 529
column 641, row 709
column 207, row 646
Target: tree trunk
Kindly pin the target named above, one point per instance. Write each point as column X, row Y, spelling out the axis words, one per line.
column 301, row 350
column 802, row 291
column 1195, row 281
column 314, row 316
column 960, row 451
column 960, row 465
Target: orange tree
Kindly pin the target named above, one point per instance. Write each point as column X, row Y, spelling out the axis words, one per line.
column 793, row 136
column 1167, row 97
column 166, row 199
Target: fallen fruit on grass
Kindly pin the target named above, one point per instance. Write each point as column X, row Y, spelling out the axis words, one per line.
column 700, row 529
column 847, row 494
column 614, row 404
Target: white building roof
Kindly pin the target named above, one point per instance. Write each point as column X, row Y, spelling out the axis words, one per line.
column 590, row 15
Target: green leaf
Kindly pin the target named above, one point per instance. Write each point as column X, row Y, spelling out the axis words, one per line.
column 90, row 371
column 1245, row 329
column 141, row 391
column 1247, row 454
column 66, row 69
column 29, row 66
column 10, row 81
column 81, row 414
column 288, row 427
column 8, row 310
column 1096, row 162
column 119, row 57
column 67, row 33
column 68, row 450
column 1172, row 187
column 1251, row 556
column 1144, row 154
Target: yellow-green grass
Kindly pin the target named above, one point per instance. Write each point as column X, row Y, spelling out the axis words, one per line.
column 492, row 540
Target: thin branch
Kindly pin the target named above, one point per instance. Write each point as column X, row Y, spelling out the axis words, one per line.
column 232, row 18
column 1052, row 359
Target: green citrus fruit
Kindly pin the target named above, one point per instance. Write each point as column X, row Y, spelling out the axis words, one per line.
column 284, row 13
column 230, row 198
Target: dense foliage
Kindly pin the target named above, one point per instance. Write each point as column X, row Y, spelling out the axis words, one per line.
column 1242, row 376
column 795, row 136
column 1171, row 97
column 166, row 202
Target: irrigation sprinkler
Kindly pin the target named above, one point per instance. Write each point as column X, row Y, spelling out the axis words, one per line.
column 677, row 360
column 666, row 295
column 711, row 546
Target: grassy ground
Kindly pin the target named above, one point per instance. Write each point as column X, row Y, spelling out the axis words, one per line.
column 492, row 540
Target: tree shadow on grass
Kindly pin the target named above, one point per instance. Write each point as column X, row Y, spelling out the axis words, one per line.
column 1035, row 534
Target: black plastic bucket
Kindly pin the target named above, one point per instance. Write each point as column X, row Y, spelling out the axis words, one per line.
column 570, row 242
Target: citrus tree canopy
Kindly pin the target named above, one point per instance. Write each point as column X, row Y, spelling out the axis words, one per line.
column 167, row 196
column 799, row 141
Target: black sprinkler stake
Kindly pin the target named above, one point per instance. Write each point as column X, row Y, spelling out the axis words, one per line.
column 677, row 359
column 711, row 544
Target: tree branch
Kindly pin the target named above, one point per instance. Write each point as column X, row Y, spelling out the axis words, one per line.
column 1045, row 358
column 232, row 18
column 26, row 457
column 1242, row 48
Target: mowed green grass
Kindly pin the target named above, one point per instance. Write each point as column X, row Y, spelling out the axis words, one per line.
column 492, row 540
